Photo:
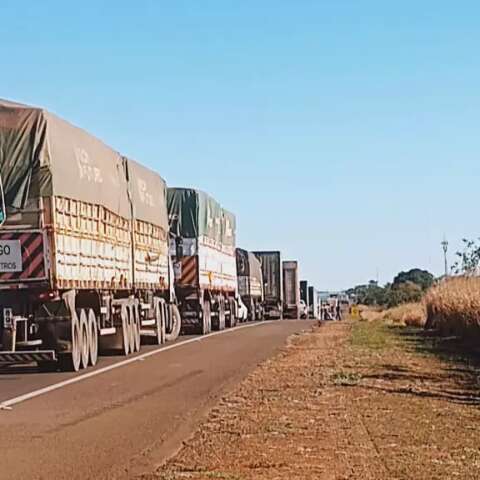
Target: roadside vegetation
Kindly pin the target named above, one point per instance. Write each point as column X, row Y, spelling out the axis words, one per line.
column 406, row 287
column 449, row 305
column 453, row 307
column 357, row 400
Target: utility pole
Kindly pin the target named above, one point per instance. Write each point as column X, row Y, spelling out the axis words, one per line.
column 445, row 249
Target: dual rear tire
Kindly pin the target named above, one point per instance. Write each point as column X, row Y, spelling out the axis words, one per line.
column 130, row 328
column 206, row 323
column 84, row 342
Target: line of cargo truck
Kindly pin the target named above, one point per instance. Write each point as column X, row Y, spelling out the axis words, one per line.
column 97, row 254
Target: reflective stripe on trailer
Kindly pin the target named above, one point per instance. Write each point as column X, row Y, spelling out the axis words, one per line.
column 33, row 261
column 189, row 271
column 9, row 358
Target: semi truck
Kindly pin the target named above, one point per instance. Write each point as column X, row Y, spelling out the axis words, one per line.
column 84, row 263
column 304, row 292
column 271, row 264
column 250, row 283
column 291, row 289
column 313, row 303
column 202, row 248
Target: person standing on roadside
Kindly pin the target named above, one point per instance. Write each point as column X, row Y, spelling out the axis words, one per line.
column 338, row 311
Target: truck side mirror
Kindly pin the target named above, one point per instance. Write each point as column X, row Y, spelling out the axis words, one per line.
column 179, row 247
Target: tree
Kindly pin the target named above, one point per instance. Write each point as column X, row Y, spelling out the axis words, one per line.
column 422, row 278
column 468, row 260
column 404, row 292
column 371, row 294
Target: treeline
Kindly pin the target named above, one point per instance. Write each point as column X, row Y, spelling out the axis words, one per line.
column 406, row 287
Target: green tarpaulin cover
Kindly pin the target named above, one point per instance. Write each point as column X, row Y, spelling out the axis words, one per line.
column 193, row 213
column 42, row 155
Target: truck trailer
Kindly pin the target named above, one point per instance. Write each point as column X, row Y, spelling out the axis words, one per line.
column 202, row 247
column 313, row 303
column 250, row 283
column 291, row 289
column 304, row 292
column 84, row 262
column 272, row 283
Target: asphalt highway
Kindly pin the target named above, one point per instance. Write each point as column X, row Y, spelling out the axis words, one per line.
column 124, row 417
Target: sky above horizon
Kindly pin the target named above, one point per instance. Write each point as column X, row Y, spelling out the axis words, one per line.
column 344, row 134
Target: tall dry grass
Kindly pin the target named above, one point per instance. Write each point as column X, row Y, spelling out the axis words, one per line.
column 410, row 314
column 453, row 307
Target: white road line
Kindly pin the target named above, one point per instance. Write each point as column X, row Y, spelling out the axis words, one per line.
column 8, row 404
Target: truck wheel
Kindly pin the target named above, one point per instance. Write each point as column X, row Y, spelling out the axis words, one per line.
column 206, row 325
column 232, row 318
column 93, row 334
column 131, row 328
column 85, row 346
column 71, row 361
column 176, row 321
column 136, row 327
column 159, row 310
column 221, row 313
column 125, row 330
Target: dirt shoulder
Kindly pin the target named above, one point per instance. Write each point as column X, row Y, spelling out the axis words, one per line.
column 345, row 401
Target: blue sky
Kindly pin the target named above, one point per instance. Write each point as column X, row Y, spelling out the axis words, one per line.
column 343, row 133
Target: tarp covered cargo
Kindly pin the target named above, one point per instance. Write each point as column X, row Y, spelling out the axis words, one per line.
column 194, row 214
column 149, row 195
column 248, row 265
column 249, row 272
column 42, row 155
column 91, row 191
column 272, row 275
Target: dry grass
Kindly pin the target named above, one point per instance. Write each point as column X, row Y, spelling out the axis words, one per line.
column 349, row 400
column 453, row 307
column 369, row 314
column 409, row 314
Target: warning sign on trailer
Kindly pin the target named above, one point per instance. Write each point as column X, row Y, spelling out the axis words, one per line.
column 10, row 256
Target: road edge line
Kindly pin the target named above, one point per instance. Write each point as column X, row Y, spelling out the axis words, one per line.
column 8, row 404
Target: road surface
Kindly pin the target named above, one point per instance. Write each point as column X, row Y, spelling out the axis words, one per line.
column 121, row 422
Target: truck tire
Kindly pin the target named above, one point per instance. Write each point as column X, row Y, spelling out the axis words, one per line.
column 232, row 317
column 221, row 313
column 131, row 327
column 93, row 335
column 85, row 347
column 136, row 327
column 125, row 331
column 253, row 311
column 206, row 324
column 176, row 322
column 71, row 361
column 159, row 309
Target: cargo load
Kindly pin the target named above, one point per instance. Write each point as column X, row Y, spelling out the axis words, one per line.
column 203, row 250
column 304, row 292
column 85, row 228
column 313, row 303
column 291, row 289
column 250, row 283
column 272, row 282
